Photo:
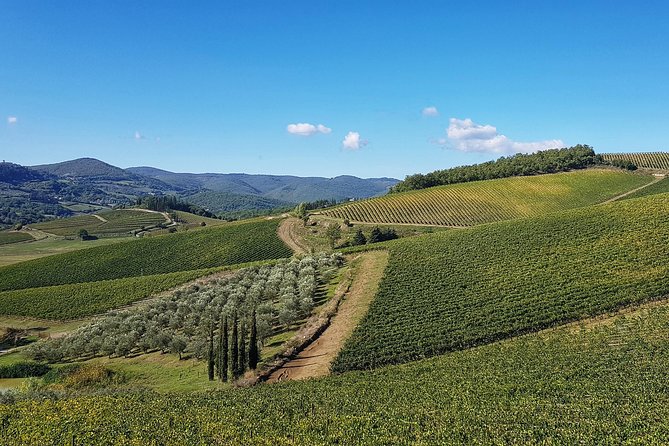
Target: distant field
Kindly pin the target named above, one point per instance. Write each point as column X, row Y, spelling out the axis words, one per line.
column 649, row 160
column 210, row 247
column 468, row 204
column 458, row 289
column 118, row 222
column 76, row 300
column 20, row 252
column 7, row 238
column 195, row 220
column 660, row 187
column 604, row 383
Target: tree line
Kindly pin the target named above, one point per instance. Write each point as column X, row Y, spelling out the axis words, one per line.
column 545, row 161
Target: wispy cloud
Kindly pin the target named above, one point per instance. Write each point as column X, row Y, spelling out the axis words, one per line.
column 467, row 136
column 138, row 135
column 352, row 141
column 430, row 111
column 12, row 119
column 306, row 129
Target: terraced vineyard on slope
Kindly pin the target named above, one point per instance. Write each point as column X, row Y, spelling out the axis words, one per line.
column 478, row 202
column 458, row 289
column 111, row 222
column 648, row 160
column 601, row 384
column 207, row 248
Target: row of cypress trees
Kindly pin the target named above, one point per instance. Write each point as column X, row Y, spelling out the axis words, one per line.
column 231, row 356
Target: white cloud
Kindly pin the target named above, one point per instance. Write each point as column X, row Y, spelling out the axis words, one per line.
column 352, row 141
column 467, row 136
column 306, row 129
column 430, row 111
column 138, row 135
column 12, row 119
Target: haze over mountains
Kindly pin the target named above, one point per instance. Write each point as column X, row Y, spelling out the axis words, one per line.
column 31, row 193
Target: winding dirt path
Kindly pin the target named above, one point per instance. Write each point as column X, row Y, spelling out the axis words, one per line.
column 288, row 234
column 315, row 360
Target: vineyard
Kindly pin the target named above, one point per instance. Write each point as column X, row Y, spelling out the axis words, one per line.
column 267, row 297
column 649, row 160
column 76, row 300
column 458, row 289
column 601, row 384
column 473, row 203
column 660, row 187
column 13, row 237
column 117, row 222
column 224, row 245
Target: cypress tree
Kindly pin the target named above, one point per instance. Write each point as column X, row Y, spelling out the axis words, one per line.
column 242, row 350
column 219, row 353
column 210, row 362
column 224, row 351
column 253, row 343
column 234, row 347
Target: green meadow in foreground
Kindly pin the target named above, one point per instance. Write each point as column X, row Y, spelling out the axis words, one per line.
column 604, row 383
column 458, row 289
column 190, row 250
column 467, row 204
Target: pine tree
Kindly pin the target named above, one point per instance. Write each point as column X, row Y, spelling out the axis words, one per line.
column 210, row 356
column 234, row 347
column 253, row 343
column 224, row 350
column 376, row 235
column 219, row 353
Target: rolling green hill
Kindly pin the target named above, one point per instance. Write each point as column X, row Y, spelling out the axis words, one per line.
column 110, row 222
column 604, row 383
column 191, row 250
column 454, row 290
column 660, row 187
column 478, row 202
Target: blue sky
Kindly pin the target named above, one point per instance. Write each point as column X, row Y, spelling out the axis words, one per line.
column 214, row 87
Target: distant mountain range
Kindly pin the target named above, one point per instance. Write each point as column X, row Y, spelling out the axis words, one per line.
column 33, row 193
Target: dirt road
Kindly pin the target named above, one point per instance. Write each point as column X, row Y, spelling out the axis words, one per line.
column 315, row 360
column 288, row 234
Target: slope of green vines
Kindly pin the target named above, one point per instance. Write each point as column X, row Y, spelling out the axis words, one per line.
column 478, row 202
column 645, row 160
column 76, row 300
column 458, row 289
column 660, row 187
column 604, row 384
column 207, row 248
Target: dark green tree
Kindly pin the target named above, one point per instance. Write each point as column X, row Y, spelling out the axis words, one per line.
column 224, row 350
column 254, row 355
column 359, row 238
column 234, row 346
column 210, row 354
column 375, row 236
column 242, row 350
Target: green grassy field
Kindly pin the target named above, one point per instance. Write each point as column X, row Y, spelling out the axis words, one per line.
column 9, row 237
column 478, row 202
column 597, row 383
column 117, row 222
column 211, row 247
column 457, row 289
